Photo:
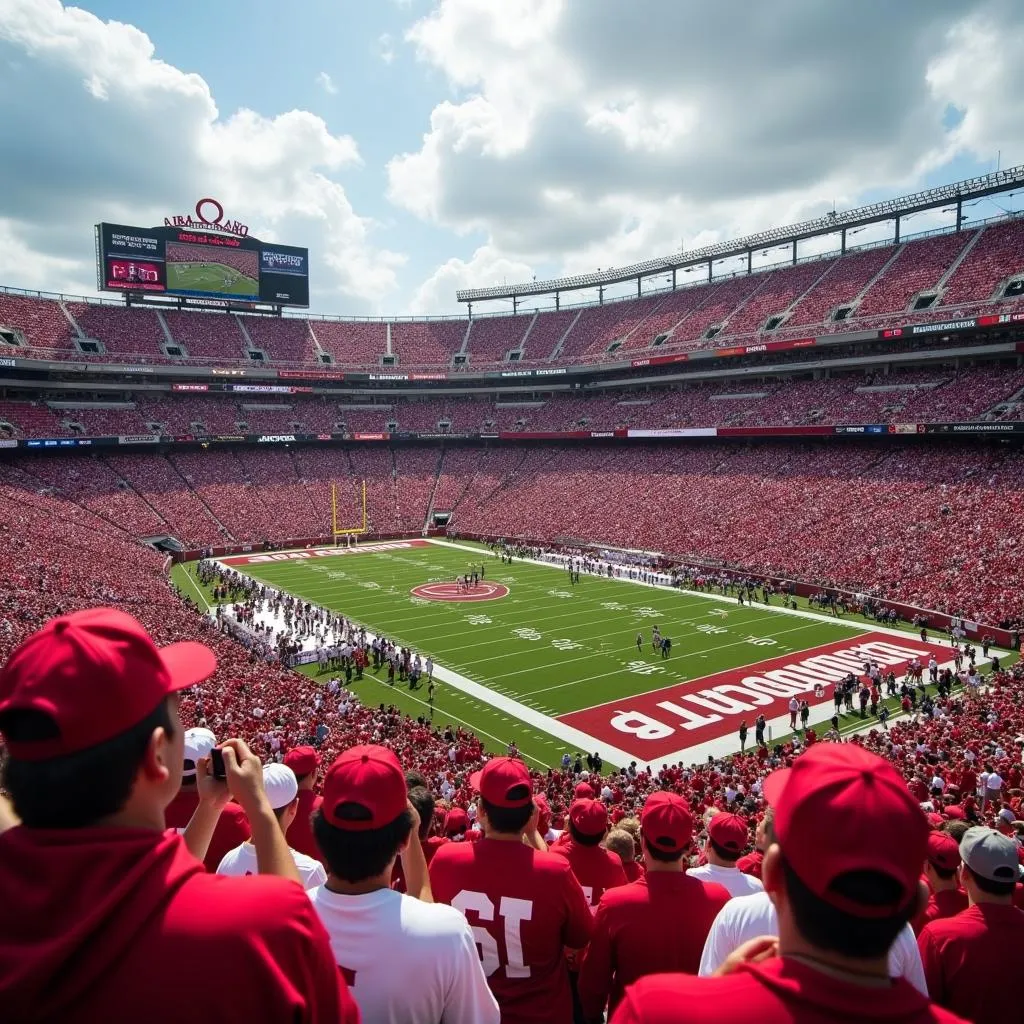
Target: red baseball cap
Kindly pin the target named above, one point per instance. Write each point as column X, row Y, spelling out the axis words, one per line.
column 935, row 821
column 302, row 760
column 666, row 822
column 956, row 812
column 943, row 851
column 589, row 817
column 370, row 781
column 583, row 791
column 499, row 778
column 95, row 674
column 456, row 821
column 729, row 831
column 544, row 817
column 841, row 808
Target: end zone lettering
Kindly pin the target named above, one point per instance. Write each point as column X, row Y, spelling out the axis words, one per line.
column 661, row 722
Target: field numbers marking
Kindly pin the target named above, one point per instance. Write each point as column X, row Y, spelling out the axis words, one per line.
column 706, row 627
column 762, row 641
column 527, row 633
column 479, row 620
column 566, row 644
column 643, row 668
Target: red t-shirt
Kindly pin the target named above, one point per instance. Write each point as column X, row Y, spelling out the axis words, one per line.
column 525, row 907
column 595, row 868
column 232, row 827
column 659, row 923
column 634, row 870
column 944, row 903
column 300, row 832
column 778, row 991
column 972, row 961
column 109, row 924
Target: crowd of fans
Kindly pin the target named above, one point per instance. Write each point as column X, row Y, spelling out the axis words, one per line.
column 958, row 761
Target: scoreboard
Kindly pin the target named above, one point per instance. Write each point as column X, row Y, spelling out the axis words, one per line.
column 200, row 261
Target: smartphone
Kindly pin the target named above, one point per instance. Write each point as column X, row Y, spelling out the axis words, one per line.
column 217, row 761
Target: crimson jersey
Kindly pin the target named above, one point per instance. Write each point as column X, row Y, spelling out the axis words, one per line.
column 659, row 923
column 300, row 832
column 232, row 827
column 777, row 991
column 595, row 868
column 525, row 907
column 972, row 961
column 944, row 903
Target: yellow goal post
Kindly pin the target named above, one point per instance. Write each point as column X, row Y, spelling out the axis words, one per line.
column 348, row 532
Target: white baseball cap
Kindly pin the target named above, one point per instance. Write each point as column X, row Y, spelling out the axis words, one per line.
column 280, row 785
column 198, row 743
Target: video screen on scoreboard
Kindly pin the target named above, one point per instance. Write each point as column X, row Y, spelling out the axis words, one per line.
column 202, row 265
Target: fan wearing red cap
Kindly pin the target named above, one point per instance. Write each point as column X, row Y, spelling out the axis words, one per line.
column 524, row 903
column 727, row 841
column 658, row 923
column 971, row 960
column 365, row 823
column 104, row 912
column 940, row 872
column 843, row 873
column 305, row 762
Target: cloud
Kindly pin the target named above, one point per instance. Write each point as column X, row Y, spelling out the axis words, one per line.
column 437, row 293
column 585, row 135
column 95, row 127
column 326, row 83
column 386, row 48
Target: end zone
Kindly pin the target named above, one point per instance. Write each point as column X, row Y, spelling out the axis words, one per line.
column 675, row 722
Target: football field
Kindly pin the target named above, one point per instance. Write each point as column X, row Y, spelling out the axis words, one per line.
column 556, row 667
column 210, row 277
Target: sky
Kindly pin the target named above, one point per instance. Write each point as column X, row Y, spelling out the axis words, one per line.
column 421, row 146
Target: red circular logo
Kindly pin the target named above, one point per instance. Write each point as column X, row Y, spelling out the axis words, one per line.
column 209, row 202
column 483, row 591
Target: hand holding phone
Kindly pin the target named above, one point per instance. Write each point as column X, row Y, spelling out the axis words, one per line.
column 219, row 769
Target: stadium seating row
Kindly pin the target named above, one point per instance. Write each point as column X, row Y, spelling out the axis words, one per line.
column 918, row 396
column 946, row 276
column 936, row 528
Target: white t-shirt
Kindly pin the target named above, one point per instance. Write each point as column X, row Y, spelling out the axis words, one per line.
column 406, row 962
column 732, row 879
column 994, row 783
column 749, row 917
column 242, row 861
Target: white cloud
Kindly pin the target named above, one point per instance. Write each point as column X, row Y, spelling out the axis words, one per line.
column 326, row 83
column 386, row 48
column 584, row 135
column 485, row 266
column 97, row 128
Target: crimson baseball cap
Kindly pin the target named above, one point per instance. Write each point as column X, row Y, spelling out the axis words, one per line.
column 589, row 817
column 729, row 831
column 943, row 851
column 456, row 821
column 364, row 789
column 302, row 760
column 666, row 822
column 499, row 782
column 583, row 791
column 94, row 674
column 841, row 808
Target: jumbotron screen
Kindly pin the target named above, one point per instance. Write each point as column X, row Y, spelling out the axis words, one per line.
column 199, row 264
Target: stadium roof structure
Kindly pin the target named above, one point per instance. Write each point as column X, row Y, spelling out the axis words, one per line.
column 959, row 192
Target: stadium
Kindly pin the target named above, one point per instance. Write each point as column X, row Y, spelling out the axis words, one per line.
column 763, row 498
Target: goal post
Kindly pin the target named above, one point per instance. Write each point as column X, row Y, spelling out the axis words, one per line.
column 350, row 534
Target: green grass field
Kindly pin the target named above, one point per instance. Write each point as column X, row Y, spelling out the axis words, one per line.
column 548, row 645
column 210, row 277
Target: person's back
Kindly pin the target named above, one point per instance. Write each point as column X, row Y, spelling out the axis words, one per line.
column 367, row 821
column 524, row 904
column 971, row 959
column 595, row 868
column 125, row 924
column 104, row 914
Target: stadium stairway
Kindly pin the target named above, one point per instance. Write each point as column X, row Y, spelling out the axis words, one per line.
column 433, row 490
column 955, row 265
column 561, row 341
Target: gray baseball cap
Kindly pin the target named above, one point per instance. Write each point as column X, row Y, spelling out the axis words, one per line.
column 989, row 854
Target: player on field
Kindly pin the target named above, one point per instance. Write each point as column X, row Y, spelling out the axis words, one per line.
column 524, row 903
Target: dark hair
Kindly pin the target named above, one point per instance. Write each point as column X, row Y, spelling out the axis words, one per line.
column 75, row 790
column 730, row 855
column 946, row 874
column 413, row 779
column 507, row 820
column 583, row 839
column 824, row 926
column 663, row 856
column 992, row 888
column 300, row 779
column 421, row 798
column 356, row 856
column 956, row 829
